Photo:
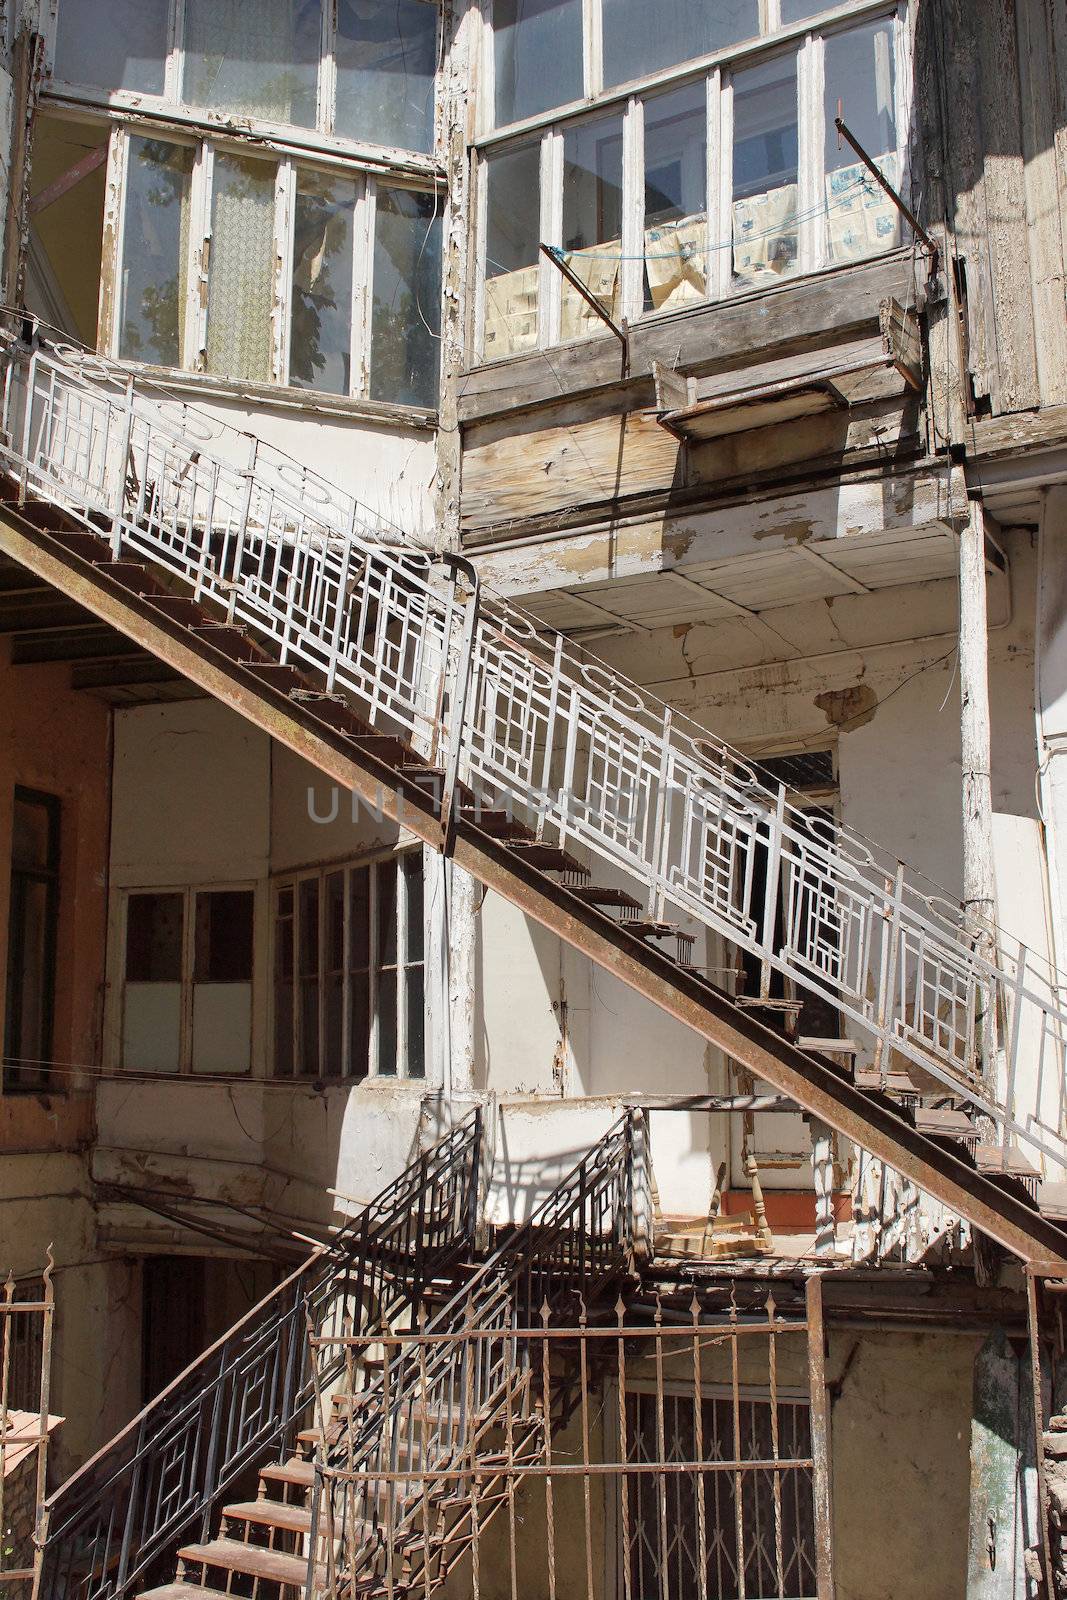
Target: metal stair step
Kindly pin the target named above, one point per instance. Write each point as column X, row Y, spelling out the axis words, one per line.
column 230, row 1555
column 284, row 679
column 131, row 575
column 601, row 895
column 498, row 824
column 179, row 608
column 232, row 642
column 89, row 546
column 549, row 858
column 297, row 1471
column 279, row 1514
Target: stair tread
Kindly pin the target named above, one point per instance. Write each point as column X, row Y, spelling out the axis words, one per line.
column 602, row 895
column 297, row 1470
column 252, row 1559
column 271, row 1513
column 548, row 858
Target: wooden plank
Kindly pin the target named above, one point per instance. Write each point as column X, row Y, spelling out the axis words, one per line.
column 673, row 389
column 1045, row 192
column 902, row 341
column 69, row 179
column 820, row 1441
column 714, row 336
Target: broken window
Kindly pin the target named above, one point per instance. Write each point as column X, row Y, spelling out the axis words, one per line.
column 254, row 60
column 385, row 56
column 187, row 1001
column 241, row 268
column 320, row 342
column 67, row 184
column 676, row 189
column 765, row 171
column 155, row 247
column 640, row 39
column 357, row 947
column 406, row 302
column 32, row 934
column 859, row 71
column 592, row 221
column 513, row 233
column 113, row 44
column 537, row 56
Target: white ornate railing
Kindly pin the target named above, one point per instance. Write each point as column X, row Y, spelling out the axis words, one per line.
column 532, row 720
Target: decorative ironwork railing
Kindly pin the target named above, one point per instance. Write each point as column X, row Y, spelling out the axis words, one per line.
column 534, row 722
column 168, row 1470
column 437, row 1400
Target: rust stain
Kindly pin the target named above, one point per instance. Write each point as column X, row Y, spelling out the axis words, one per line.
column 798, row 532
column 848, row 707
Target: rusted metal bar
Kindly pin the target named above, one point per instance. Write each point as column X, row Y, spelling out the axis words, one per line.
column 820, row 1440
column 905, row 210
column 1034, row 1327
column 562, row 265
column 69, row 180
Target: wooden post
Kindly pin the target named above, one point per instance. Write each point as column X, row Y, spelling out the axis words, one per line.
column 820, row 1441
column 822, row 1164
column 979, row 886
column 1033, row 1318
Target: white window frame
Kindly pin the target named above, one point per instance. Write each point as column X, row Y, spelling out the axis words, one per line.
column 805, row 40
column 291, row 881
column 288, row 168
column 322, row 136
column 188, row 894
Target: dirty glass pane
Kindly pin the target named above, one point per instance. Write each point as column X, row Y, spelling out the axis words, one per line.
column 415, row 1041
column 386, row 54
column 34, row 833
column 113, row 44
column 387, row 914
column 406, row 304
column 861, row 218
column 240, row 278
column 592, row 220
column 799, row 10
column 154, row 938
column 320, row 344
column 256, row 60
column 223, row 936
column 386, row 1021
column 334, row 979
column 513, row 232
column 676, row 190
column 765, row 172
column 155, row 251
column 640, row 38
column 537, row 53
column 283, row 984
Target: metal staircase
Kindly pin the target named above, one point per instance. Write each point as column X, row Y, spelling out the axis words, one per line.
column 398, row 675
column 411, row 1468
column 236, row 1411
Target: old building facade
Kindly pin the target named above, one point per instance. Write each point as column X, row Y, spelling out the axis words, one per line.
column 532, row 643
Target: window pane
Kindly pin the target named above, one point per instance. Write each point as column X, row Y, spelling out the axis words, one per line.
column 386, row 1017
column 386, row 54
column 308, row 915
column 676, row 187
column 154, row 938
column 537, row 51
column 406, row 309
column 256, row 60
column 513, row 232
column 592, row 220
column 358, row 1024
column 223, row 939
column 798, row 10
column 416, row 1041
column 320, row 345
column 309, row 1027
column 359, row 919
column 34, row 834
column 152, row 1025
column 387, row 913
column 309, row 926
column 412, row 866
column 31, row 937
column 335, row 922
column 765, row 171
column 240, row 275
column 222, row 1028
column 283, row 984
column 640, row 38
column 334, row 980
column 333, row 1064
column 113, row 44
column 860, row 81
column 154, row 251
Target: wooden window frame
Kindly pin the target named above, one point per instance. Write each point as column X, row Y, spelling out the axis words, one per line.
column 187, row 981
column 21, row 1077
column 198, row 255
column 169, row 104
column 806, row 40
column 292, row 882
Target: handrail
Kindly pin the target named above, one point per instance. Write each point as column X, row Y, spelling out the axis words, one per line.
column 578, row 1239
column 585, row 756
column 169, row 1467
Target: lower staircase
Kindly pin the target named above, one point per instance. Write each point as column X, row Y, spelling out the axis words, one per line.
column 243, row 1409
column 415, row 1456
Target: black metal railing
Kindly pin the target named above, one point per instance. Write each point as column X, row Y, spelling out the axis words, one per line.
column 442, row 1390
column 165, row 1474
